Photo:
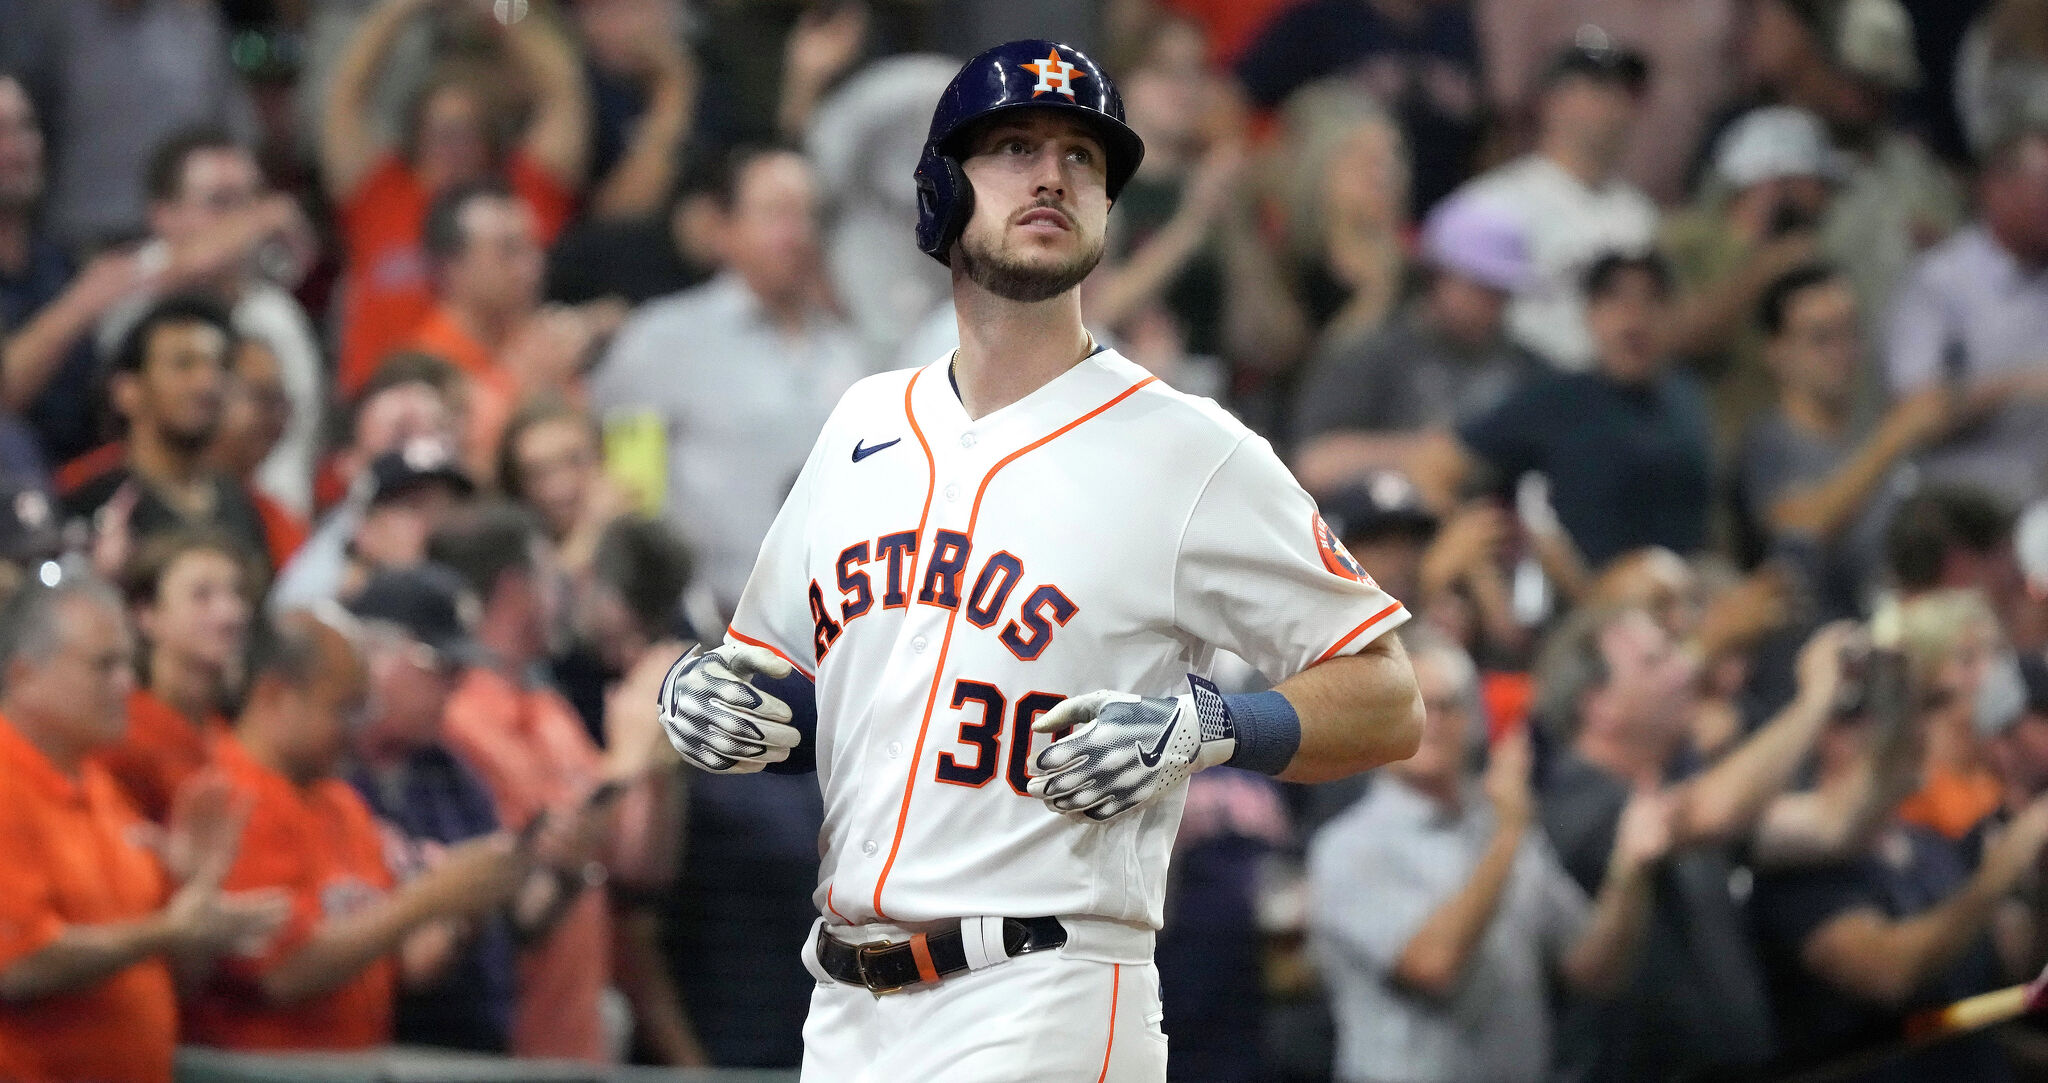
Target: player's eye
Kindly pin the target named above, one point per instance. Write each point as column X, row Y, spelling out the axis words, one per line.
column 1016, row 146
column 1081, row 155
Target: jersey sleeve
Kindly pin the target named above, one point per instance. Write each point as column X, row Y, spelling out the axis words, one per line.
column 1261, row 575
column 775, row 608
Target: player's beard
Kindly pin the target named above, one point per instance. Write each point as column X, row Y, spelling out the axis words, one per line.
column 998, row 272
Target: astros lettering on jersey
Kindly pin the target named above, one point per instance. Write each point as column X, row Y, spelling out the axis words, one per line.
column 944, row 582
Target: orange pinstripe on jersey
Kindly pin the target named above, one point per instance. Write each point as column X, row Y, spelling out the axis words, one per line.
column 946, row 641
column 771, row 649
column 1116, row 979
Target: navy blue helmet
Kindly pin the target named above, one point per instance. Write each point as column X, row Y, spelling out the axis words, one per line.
column 1028, row 74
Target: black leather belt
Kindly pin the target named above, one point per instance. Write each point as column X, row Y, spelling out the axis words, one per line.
column 927, row 958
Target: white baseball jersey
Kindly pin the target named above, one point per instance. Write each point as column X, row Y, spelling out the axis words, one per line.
column 945, row 581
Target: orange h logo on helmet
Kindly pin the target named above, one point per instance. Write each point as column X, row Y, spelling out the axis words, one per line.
column 1054, row 74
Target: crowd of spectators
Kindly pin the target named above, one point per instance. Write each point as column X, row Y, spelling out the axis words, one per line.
column 391, row 389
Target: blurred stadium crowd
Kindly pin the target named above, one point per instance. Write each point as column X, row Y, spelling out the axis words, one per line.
column 391, row 389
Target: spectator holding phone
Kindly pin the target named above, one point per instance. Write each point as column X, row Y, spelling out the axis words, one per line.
column 1443, row 914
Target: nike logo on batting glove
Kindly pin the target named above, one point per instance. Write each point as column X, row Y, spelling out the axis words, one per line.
column 1126, row 750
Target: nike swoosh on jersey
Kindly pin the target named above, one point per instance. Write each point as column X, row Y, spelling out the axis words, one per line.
column 1150, row 757
column 860, row 452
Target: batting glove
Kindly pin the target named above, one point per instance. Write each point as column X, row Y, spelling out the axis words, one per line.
column 717, row 720
column 1126, row 750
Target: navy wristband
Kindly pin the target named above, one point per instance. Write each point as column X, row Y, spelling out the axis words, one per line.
column 1268, row 731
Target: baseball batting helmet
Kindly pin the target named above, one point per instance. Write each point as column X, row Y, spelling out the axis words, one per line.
column 1028, row 74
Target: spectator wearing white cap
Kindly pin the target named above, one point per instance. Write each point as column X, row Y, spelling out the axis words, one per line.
column 1758, row 217
column 1446, row 358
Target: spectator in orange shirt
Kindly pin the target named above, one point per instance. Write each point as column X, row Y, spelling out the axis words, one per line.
column 329, row 979
column 533, row 753
column 90, row 927
column 484, row 257
column 451, row 136
column 189, row 593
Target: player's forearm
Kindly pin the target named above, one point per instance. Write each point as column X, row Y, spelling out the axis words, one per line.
column 1434, row 959
column 85, row 955
column 1357, row 712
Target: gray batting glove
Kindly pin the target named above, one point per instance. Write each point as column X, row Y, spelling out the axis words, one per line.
column 1126, row 750
column 720, row 722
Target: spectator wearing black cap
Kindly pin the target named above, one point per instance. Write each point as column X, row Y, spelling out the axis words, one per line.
column 1626, row 447
column 404, row 496
column 416, row 642
column 1443, row 359
column 166, row 386
column 1688, row 47
column 1573, row 203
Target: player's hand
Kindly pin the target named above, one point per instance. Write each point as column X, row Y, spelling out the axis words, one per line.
column 717, row 720
column 1125, row 750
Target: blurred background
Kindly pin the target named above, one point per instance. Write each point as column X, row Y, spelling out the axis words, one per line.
column 391, row 389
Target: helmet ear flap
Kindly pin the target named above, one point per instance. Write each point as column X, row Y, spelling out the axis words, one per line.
column 944, row 203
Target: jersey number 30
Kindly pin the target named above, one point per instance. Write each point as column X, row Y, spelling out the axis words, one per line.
column 981, row 728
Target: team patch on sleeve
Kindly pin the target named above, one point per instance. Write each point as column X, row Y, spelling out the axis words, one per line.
column 1335, row 557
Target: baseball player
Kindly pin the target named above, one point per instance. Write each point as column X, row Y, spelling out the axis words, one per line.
column 979, row 616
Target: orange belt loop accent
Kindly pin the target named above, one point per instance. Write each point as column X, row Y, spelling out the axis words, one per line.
column 922, row 952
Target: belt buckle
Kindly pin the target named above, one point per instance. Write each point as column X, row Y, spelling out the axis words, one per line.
column 861, row 955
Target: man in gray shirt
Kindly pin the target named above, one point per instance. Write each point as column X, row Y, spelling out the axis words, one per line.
column 1440, row 913
column 739, row 373
column 1973, row 313
column 1446, row 358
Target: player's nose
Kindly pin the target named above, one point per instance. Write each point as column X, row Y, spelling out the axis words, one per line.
column 1048, row 172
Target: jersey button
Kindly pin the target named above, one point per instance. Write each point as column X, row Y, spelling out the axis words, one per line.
column 917, row 644
column 952, row 492
column 869, row 847
column 895, row 749
column 966, row 439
